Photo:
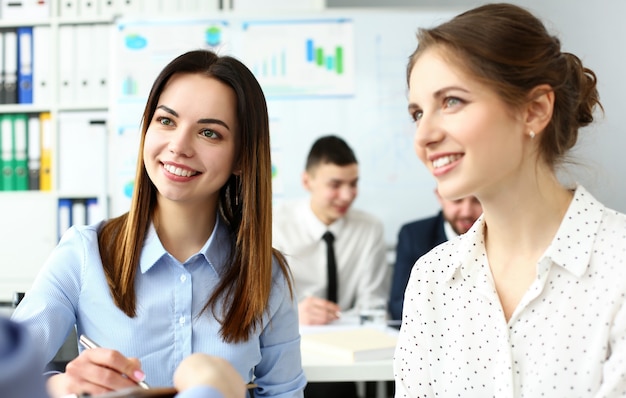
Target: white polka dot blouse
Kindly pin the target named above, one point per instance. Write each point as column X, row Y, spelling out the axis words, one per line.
column 566, row 338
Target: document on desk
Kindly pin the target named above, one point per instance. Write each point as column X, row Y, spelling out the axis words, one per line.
column 351, row 345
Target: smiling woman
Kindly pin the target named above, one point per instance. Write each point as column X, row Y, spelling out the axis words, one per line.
column 190, row 268
column 505, row 309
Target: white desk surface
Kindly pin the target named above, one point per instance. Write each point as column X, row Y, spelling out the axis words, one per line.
column 318, row 367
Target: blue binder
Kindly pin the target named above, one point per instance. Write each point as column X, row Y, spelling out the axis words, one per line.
column 25, row 65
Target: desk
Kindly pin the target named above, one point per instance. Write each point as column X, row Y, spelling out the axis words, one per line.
column 318, row 367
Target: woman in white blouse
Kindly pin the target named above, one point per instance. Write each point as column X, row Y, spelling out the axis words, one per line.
column 530, row 301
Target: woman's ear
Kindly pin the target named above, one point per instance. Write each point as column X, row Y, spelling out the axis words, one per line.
column 237, row 172
column 539, row 108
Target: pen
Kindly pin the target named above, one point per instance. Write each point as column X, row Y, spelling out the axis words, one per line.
column 88, row 343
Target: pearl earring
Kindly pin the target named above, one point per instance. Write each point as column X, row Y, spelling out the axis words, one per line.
column 531, row 134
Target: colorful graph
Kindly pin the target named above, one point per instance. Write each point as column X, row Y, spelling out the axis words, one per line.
column 301, row 57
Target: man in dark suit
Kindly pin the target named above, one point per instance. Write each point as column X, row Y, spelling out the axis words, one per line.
column 419, row 237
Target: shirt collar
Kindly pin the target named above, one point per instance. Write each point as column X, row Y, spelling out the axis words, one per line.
column 216, row 249
column 571, row 247
column 448, row 230
column 318, row 228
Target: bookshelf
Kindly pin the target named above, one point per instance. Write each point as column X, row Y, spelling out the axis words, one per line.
column 33, row 219
column 77, row 33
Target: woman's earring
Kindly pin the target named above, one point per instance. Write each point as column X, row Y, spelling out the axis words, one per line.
column 236, row 190
column 531, row 134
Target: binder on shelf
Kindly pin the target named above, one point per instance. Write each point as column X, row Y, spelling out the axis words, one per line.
column 81, row 137
column 2, row 73
column 34, row 152
column 94, row 210
column 25, row 9
column 88, row 8
column 67, row 64
column 7, row 182
column 128, row 7
column 86, row 48
column 10, row 67
column 79, row 212
column 25, row 65
column 64, row 216
column 45, row 175
column 20, row 151
column 41, row 65
column 107, row 8
column 99, row 66
column 68, row 8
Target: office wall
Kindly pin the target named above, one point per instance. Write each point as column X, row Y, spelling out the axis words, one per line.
column 593, row 31
column 365, row 104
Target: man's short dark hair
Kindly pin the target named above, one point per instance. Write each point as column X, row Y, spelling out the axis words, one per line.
column 330, row 149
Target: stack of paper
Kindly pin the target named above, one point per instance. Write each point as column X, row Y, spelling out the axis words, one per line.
column 351, row 345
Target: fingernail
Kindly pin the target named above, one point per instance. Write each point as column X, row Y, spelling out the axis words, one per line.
column 139, row 375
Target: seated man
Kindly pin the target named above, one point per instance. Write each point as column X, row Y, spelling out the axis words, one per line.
column 419, row 237
column 336, row 253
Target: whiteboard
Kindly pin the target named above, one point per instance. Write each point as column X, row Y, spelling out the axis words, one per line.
column 366, row 105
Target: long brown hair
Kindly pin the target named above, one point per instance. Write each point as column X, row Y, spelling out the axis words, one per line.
column 509, row 50
column 244, row 204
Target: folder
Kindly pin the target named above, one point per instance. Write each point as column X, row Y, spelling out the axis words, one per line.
column 68, row 9
column 88, row 8
column 25, row 9
column 79, row 212
column 20, row 151
column 45, row 175
column 64, row 215
column 100, row 63
column 128, row 7
column 67, row 64
column 94, row 210
column 10, row 67
column 2, row 74
column 108, row 8
column 25, row 65
column 34, row 152
column 41, row 65
column 85, row 63
column 81, row 161
column 7, row 182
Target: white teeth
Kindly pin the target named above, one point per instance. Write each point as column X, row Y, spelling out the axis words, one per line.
column 445, row 160
column 178, row 171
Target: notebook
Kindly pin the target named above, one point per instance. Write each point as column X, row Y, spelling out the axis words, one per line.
column 351, row 345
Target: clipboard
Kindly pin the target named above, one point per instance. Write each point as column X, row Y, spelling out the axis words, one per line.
column 138, row 392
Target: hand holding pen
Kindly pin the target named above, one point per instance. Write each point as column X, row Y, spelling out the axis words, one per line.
column 96, row 371
column 88, row 344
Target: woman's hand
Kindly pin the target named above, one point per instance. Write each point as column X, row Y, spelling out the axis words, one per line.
column 96, row 371
column 202, row 369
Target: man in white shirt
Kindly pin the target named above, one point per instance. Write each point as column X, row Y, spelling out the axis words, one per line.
column 331, row 176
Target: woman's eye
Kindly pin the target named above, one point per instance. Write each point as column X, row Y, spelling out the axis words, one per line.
column 451, row 102
column 417, row 115
column 164, row 121
column 209, row 133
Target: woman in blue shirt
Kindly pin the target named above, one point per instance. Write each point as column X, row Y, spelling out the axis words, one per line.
column 190, row 268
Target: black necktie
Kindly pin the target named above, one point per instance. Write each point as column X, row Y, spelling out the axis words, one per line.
column 332, row 266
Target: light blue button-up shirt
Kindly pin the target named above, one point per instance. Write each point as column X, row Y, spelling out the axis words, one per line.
column 71, row 289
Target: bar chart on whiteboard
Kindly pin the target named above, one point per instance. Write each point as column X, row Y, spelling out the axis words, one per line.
column 301, row 57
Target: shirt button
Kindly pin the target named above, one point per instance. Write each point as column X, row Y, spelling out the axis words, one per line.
column 183, row 278
column 181, row 320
